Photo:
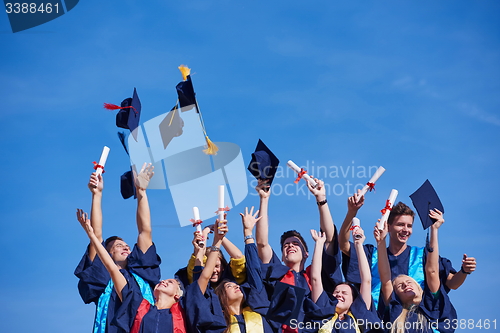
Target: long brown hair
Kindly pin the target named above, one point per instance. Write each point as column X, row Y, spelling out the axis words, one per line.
column 221, row 292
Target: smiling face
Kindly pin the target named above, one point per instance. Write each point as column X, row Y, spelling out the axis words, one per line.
column 169, row 287
column 343, row 294
column 218, row 269
column 293, row 251
column 119, row 251
column 407, row 289
column 401, row 229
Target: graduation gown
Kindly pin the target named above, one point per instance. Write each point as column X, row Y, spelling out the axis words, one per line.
column 317, row 314
column 94, row 278
column 436, row 308
column 411, row 262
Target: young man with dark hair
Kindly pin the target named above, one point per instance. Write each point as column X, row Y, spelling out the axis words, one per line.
column 403, row 259
column 140, row 267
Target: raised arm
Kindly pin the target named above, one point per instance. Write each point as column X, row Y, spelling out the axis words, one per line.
column 118, row 279
column 364, row 267
column 144, row 239
column 316, row 281
column 354, row 203
column 231, row 249
column 96, row 185
column 454, row 281
column 325, row 217
column 212, row 256
column 384, row 269
column 249, row 221
column 262, row 229
column 432, row 262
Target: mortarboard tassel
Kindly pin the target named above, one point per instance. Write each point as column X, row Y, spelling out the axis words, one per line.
column 109, row 106
column 212, row 149
column 185, row 70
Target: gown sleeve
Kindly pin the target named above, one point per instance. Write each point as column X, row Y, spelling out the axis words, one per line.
column 93, row 278
column 146, row 265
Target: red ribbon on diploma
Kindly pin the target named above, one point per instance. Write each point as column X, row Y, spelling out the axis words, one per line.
column 371, row 186
column 96, row 166
column 299, row 176
column 222, row 210
column 387, row 207
column 195, row 222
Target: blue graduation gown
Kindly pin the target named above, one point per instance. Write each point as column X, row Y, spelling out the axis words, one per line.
column 437, row 309
column 399, row 265
column 317, row 314
column 94, row 277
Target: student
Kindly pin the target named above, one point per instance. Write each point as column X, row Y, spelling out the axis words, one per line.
column 245, row 306
column 293, row 246
column 346, row 309
column 408, row 307
column 404, row 259
column 140, row 266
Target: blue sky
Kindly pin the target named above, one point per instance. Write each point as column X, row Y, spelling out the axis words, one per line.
column 411, row 86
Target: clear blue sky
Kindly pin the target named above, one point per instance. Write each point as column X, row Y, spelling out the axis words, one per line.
column 411, row 86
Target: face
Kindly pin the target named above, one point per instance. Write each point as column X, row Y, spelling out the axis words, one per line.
column 119, row 250
column 217, row 271
column 233, row 292
column 293, row 250
column 401, row 228
column 343, row 294
column 406, row 289
column 170, row 287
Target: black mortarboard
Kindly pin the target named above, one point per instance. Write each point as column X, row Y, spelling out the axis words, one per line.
column 171, row 126
column 185, row 93
column 264, row 163
column 425, row 199
column 129, row 114
column 127, row 186
column 286, row 303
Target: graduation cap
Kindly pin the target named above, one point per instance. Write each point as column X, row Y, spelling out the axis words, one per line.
column 186, row 97
column 171, row 126
column 264, row 163
column 286, row 303
column 127, row 186
column 425, row 199
column 129, row 114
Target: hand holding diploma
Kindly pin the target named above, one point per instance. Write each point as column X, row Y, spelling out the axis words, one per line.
column 355, row 227
column 99, row 167
column 197, row 225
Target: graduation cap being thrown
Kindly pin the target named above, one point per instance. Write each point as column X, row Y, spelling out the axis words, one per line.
column 186, row 97
column 425, row 199
column 264, row 163
column 129, row 115
column 127, row 186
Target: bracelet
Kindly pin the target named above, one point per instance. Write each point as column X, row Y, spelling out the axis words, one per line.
column 214, row 249
column 321, row 203
column 248, row 237
column 462, row 270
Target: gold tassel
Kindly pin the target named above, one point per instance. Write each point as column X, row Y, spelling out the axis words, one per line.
column 212, row 149
column 185, row 70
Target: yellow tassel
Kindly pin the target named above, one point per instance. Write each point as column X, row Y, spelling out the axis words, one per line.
column 212, row 149
column 185, row 70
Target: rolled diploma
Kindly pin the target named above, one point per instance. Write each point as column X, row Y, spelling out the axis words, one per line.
column 295, row 168
column 196, row 214
column 355, row 224
column 392, row 198
column 221, row 204
column 102, row 160
column 373, row 180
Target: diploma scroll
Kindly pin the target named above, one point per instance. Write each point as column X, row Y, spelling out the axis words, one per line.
column 370, row 185
column 221, row 210
column 102, row 161
column 355, row 225
column 387, row 209
column 301, row 173
column 197, row 224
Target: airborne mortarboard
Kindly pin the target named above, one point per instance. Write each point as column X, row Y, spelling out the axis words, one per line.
column 185, row 93
column 127, row 186
column 129, row 114
column 286, row 303
column 425, row 199
column 171, row 126
column 264, row 163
